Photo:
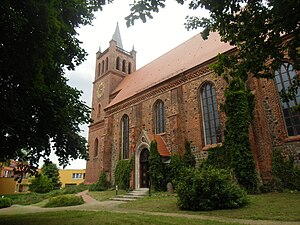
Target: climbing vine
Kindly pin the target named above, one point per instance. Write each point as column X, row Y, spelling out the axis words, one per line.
column 156, row 169
column 123, row 172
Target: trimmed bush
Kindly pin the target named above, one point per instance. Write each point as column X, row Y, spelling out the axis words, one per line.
column 102, row 184
column 64, row 200
column 5, row 202
column 209, row 189
column 174, row 168
column 122, row 173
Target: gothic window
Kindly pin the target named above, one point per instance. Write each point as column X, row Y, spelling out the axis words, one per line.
column 106, row 64
column 160, row 117
column 99, row 69
column 125, row 136
column 102, row 66
column 283, row 78
column 99, row 110
column 123, row 66
column 210, row 115
column 129, row 68
column 96, row 147
column 118, row 63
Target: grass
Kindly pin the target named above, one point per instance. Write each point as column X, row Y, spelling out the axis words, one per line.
column 271, row 206
column 34, row 198
column 105, row 195
column 95, row 218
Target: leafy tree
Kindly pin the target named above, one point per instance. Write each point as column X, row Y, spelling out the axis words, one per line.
column 156, row 169
column 52, row 172
column 255, row 27
column 41, row 184
column 38, row 43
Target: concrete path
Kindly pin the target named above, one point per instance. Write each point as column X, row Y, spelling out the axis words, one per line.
column 112, row 206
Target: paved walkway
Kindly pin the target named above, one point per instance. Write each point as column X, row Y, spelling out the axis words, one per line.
column 112, row 206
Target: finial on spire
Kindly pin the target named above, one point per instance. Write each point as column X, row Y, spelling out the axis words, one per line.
column 117, row 36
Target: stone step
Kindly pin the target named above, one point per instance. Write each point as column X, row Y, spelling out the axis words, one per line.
column 123, row 199
column 130, row 196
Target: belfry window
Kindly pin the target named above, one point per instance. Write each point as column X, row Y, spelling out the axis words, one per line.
column 106, row 64
column 210, row 115
column 284, row 78
column 96, row 147
column 129, row 68
column 118, row 63
column 125, row 136
column 160, row 117
column 102, row 66
column 124, row 66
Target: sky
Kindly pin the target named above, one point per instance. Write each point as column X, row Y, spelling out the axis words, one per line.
column 151, row 40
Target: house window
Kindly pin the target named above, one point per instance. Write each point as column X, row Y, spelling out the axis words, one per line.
column 125, row 137
column 284, row 78
column 210, row 115
column 118, row 63
column 160, row 117
column 96, row 147
column 77, row 176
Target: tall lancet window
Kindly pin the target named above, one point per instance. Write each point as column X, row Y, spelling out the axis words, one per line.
column 118, row 63
column 210, row 114
column 125, row 136
column 96, row 147
column 284, row 77
column 160, row 117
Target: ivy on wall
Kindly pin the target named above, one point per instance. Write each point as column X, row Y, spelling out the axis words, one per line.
column 123, row 172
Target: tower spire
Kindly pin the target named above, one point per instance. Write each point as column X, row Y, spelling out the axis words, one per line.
column 117, row 37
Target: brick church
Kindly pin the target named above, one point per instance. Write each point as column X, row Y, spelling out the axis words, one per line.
column 175, row 98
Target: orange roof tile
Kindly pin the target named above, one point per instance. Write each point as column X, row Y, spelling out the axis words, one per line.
column 189, row 54
column 161, row 145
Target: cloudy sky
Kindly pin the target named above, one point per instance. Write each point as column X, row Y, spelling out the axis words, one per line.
column 150, row 40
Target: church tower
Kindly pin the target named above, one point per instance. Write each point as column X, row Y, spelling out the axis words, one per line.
column 112, row 66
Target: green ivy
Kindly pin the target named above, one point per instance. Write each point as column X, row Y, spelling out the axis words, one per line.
column 122, row 173
column 102, row 184
column 188, row 158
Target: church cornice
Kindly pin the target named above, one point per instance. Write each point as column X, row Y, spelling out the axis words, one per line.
column 96, row 125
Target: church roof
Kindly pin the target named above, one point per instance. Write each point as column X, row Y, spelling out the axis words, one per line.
column 189, row 54
column 117, row 37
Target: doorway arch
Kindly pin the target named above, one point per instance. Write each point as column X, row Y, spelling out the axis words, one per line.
column 143, row 146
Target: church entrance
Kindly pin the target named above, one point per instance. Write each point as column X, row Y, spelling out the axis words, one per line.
column 144, row 168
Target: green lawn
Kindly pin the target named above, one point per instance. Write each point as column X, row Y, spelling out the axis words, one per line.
column 96, row 218
column 105, row 195
column 271, row 206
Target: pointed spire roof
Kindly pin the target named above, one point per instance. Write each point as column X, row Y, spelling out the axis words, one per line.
column 117, row 37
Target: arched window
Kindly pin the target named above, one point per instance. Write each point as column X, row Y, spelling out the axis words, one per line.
column 125, row 136
column 102, row 66
column 99, row 69
column 106, row 64
column 284, row 77
column 123, row 66
column 210, row 115
column 160, row 117
column 129, row 68
column 99, row 110
column 96, row 147
column 118, row 63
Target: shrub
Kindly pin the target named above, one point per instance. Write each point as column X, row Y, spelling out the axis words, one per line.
column 209, row 189
column 122, row 173
column 174, row 169
column 41, row 184
column 285, row 174
column 5, row 202
column 102, row 184
column 64, row 200
column 188, row 158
